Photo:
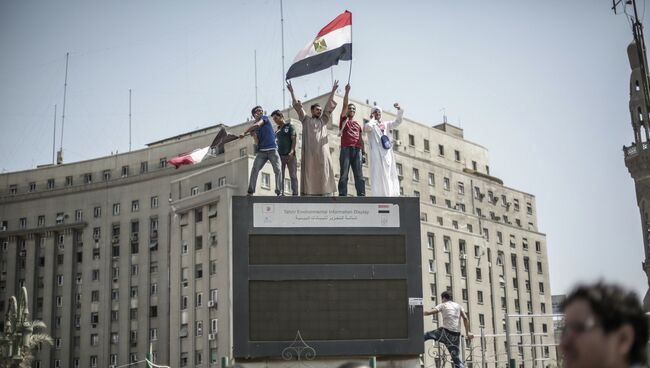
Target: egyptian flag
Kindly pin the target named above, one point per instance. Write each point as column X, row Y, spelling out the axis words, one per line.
column 332, row 43
column 193, row 157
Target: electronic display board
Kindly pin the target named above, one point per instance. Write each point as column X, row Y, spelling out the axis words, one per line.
column 343, row 273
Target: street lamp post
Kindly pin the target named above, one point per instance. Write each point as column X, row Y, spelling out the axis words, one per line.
column 17, row 330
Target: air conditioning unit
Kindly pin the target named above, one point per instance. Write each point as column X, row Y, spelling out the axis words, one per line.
column 61, row 246
column 398, row 143
column 116, row 239
column 22, row 253
column 96, row 246
column 463, row 256
column 134, row 237
column 154, row 234
column 212, row 336
column 211, row 304
column 213, row 239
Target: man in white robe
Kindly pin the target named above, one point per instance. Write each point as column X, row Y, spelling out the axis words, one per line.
column 383, row 171
column 316, row 170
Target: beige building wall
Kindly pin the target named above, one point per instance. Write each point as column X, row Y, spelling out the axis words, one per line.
column 175, row 291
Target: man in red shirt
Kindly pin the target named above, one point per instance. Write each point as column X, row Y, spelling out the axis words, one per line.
column 351, row 148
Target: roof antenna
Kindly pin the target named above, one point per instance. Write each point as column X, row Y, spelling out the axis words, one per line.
column 59, row 155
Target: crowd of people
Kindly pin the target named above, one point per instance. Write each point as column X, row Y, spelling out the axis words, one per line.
column 278, row 146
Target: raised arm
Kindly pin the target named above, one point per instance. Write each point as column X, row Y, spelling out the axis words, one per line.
column 255, row 126
column 297, row 105
column 344, row 108
column 398, row 119
column 330, row 105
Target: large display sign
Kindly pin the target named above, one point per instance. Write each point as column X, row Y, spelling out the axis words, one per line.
column 341, row 274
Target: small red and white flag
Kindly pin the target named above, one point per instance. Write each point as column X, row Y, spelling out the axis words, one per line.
column 193, row 157
column 332, row 43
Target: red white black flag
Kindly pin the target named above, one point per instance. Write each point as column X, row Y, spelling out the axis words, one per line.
column 332, row 43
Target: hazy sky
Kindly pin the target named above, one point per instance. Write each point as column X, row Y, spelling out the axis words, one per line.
column 543, row 85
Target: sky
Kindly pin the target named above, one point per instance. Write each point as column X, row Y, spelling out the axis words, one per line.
column 542, row 85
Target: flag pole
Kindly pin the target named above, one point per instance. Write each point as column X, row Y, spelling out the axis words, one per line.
column 350, row 72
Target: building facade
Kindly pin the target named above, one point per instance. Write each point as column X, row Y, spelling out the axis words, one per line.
column 121, row 253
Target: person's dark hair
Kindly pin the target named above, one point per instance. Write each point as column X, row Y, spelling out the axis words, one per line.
column 446, row 295
column 277, row 113
column 615, row 307
column 255, row 108
column 314, row 105
column 351, row 104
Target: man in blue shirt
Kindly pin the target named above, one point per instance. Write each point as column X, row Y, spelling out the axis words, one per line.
column 267, row 149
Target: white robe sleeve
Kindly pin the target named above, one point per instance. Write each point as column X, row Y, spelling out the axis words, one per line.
column 398, row 120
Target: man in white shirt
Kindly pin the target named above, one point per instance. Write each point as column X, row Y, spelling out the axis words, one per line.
column 449, row 331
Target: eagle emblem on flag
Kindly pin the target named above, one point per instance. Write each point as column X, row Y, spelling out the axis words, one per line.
column 320, row 45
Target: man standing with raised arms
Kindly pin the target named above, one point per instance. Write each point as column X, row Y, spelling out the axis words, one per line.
column 316, row 171
column 267, row 149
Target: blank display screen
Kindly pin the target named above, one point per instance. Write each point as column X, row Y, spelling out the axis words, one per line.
column 327, row 249
column 328, row 309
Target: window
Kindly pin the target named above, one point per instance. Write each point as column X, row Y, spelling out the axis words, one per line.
column 441, row 150
column 479, row 275
column 198, row 215
column 13, row 189
column 115, row 338
column 115, row 294
column 266, row 181
column 446, row 241
column 431, row 240
column 538, row 246
column 529, row 208
column 399, row 169
column 95, row 275
column 396, row 134
column 144, row 167
column 154, row 202
column 153, row 334
column 97, row 212
column 416, row 174
column 541, row 288
column 153, row 267
column 68, row 181
column 516, row 204
column 94, row 296
column 23, row 222
column 464, row 294
column 162, row 163
column 198, row 299
column 194, row 191
column 116, row 209
column 461, row 188
column 88, row 178
column 94, row 340
column 439, row 219
column 213, row 267
column 134, row 270
column 134, row 291
column 432, row 199
column 479, row 296
column 457, row 155
column 50, row 183
column 447, row 268
column 481, row 320
column 198, row 270
column 499, row 237
column 106, row 175
column 125, row 171
column 539, row 267
column 32, row 187
column 515, row 283
column 153, row 311
column 135, row 206
column 474, row 166
column 153, row 288
column 411, row 140
column 448, row 203
column 59, row 280
column 133, row 314
column 199, row 328
column 543, row 307
column 426, row 145
column 207, row 186
column 454, row 224
column 432, row 179
column 445, row 183
column 416, row 193
column 222, row 181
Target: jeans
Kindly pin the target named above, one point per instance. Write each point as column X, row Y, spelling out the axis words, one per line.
column 351, row 156
column 451, row 340
column 290, row 161
column 260, row 159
